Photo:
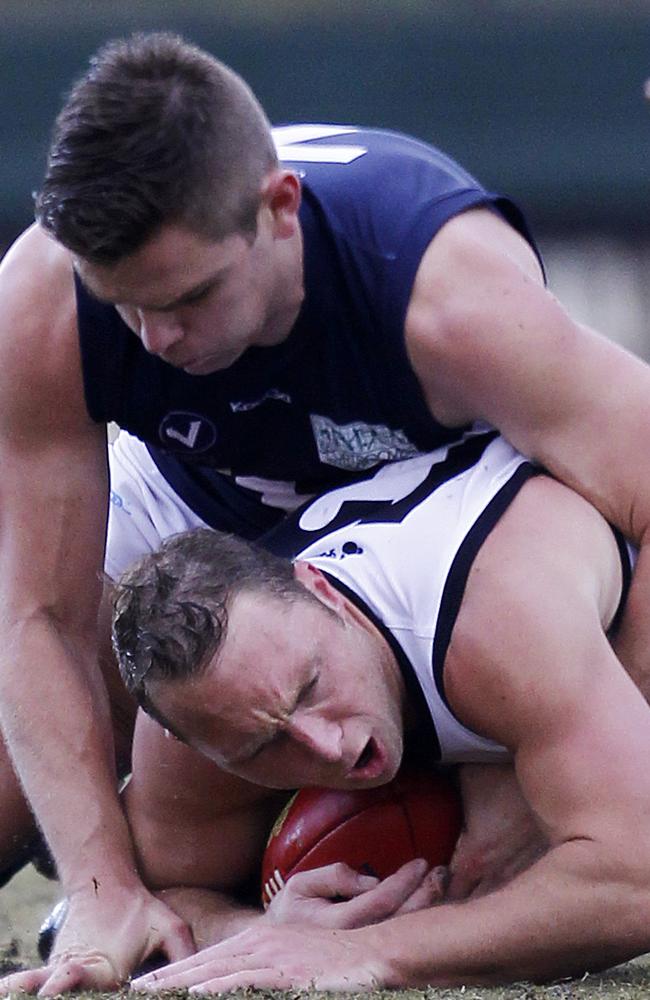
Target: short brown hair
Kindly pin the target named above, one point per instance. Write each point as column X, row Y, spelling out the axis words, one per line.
column 157, row 131
column 170, row 609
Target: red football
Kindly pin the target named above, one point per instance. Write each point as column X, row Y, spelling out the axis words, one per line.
column 374, row 830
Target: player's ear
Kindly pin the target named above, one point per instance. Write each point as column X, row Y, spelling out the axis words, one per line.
column 281, row 195
column 316, row 582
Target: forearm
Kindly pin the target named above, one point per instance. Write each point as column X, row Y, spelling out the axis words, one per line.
column 55, row 720
column 559, row 918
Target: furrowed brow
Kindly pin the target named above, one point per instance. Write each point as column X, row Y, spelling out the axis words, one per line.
column 251, row 753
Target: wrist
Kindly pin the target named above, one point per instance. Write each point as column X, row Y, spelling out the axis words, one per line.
column 102, row 880
column 378, row 941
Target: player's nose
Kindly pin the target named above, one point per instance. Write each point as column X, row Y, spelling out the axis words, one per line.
column 158, row 331
column 320, row 736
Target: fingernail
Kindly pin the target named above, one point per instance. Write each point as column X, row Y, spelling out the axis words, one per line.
column 440, row 874
column 367, row 881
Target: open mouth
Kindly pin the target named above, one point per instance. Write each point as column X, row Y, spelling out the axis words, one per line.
column 376, row 764
column 370, row 765
column 366, row 755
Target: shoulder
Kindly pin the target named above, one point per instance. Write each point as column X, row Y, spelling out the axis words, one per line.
column 38, row 300
column 39, row 350
column 472, row 249
column 477, row 280
column 316, row 147
column 552, row 530
column 546, row 579
column 376, row 184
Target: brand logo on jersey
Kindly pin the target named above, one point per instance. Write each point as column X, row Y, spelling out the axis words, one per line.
column 358, row 446
column 341, row 552
column 119, row 502
column 273, row 394
column 190, row 431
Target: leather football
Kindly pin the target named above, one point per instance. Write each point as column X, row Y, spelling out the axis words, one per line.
column 374, row 830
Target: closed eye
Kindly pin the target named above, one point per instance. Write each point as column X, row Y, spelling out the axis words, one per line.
column 308, row 689
column 195, row 297
column 302, row 698
column 271, row 742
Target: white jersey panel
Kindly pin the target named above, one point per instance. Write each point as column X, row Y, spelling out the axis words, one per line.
column 402, row 569
column 144, row 509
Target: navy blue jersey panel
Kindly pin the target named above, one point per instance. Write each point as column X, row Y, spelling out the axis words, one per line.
column 338, row 396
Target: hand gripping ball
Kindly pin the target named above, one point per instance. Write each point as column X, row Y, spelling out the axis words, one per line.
column 374, row 830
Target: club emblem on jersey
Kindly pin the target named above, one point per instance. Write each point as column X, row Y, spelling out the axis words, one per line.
column 358, row 446
column 183, row 431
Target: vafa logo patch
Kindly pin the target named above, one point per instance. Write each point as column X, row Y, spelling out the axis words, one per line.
column 191, row 431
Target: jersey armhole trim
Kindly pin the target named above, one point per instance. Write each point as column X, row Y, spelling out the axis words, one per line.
column 456, row 582
column 426, row 737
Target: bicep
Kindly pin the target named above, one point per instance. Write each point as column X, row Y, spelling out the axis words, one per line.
column 192, row 823
column 53, row 502
column 488, row 342
column 529, row 665
column 54, row 479
column 579, row 745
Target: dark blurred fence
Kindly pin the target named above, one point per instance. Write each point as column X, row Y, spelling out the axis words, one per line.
column 543, row 101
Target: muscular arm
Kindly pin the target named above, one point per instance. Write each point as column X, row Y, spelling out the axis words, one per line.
column 529, row 665
column 53, row 503
column 579, row 734
column 488, row 342
column 53, row 706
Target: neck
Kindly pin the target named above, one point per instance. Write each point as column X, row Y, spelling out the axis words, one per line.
column 385, row 659
column 288, row 290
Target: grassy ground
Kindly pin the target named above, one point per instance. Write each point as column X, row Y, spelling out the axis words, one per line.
column 23, row 904
column 28, row 898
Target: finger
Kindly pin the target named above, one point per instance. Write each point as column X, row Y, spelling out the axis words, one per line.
column 337, row 879
column 382, row 901
column 178, row 944
column 466, row 871
column 156, row 976
column 23, row 982
column 162, row 979
column 93, row 972
column 191, row 970
column 180, row 974
column 262, row 979
column 235, row 952
column 281, row 976
column 431, row 891
column 461, row 886
column 64, row 977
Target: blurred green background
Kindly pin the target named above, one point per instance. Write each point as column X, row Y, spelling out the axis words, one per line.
column 542, row 100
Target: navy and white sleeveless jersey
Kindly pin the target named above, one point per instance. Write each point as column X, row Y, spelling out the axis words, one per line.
column 338, row 396
column 400, row 545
